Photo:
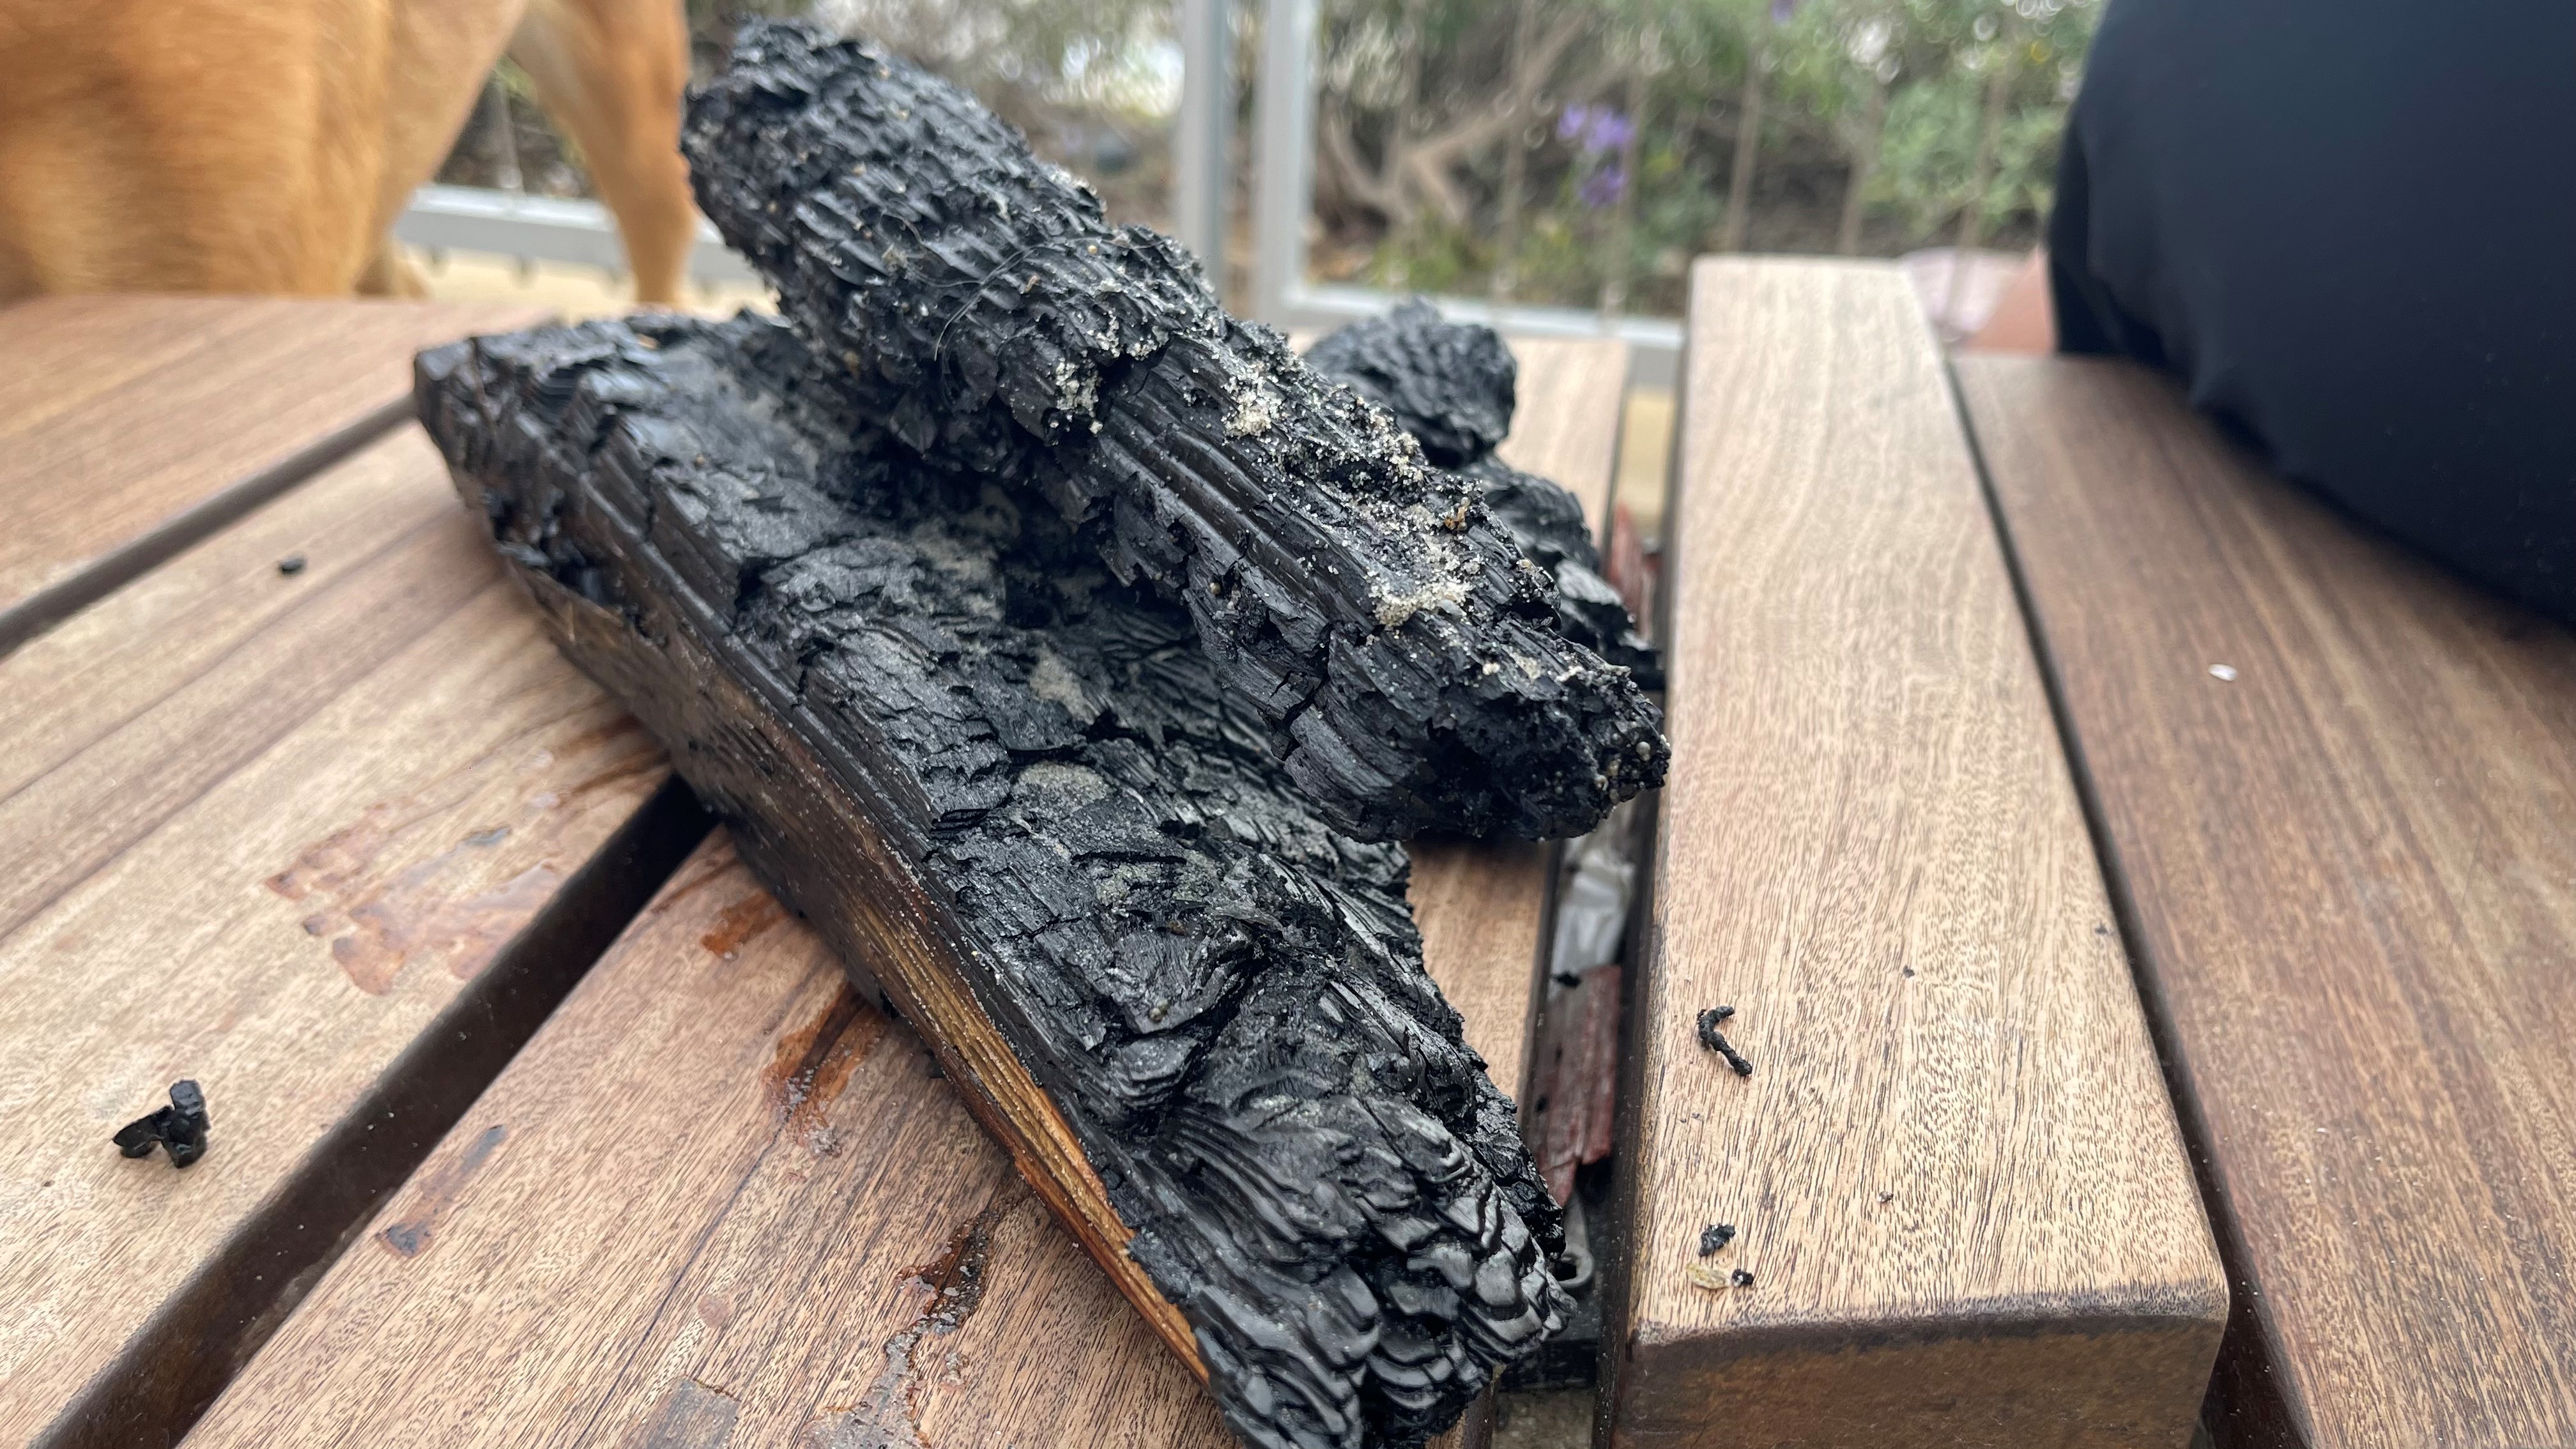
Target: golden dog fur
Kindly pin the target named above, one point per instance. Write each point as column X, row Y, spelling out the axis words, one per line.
column 268, row 145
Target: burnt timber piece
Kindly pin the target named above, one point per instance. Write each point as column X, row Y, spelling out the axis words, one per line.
column 1007, row 788
column 980, row 314
column 180, row 1128
column 1453, row 387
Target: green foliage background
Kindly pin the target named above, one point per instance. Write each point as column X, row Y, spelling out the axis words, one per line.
column 1893, row 96
column 1905, row 83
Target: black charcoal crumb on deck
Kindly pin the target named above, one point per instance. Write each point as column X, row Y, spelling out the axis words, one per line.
column 179, row 1129
column 1715, row 1040
column 291, row 565
column 1714, row 1238
column 974, row 307
column 1318, row 1171
column 1741, row 1277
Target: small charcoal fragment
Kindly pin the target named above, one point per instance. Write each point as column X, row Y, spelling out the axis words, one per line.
column 291, row 565
column 1715, row 1237
column 1450, row 387
column 1715, row 1040
column 982, row 319
column 179, row 1128
column 1741, row 1277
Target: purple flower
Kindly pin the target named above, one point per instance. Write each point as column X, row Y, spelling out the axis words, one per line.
column 1603, row 188
column 1599, row 129
column 1781, row 10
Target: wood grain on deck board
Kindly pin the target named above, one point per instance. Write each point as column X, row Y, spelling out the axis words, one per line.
column 1954, row 1175
column 718, row 1188
column 130, row 426
column 2351, row 875
column 328, row 844
column 716, row 1200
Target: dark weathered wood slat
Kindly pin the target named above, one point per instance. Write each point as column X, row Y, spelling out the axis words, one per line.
column 2350, row 875
column 131, row 426
column 330, row 844
column 1954, row 1175
column 578, row 1284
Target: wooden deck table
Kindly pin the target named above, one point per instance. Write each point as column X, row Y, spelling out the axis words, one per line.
column 535, row 1121
column 1962, row 1213
column 2336, row 791
column 2019, row 721
column 343, row 842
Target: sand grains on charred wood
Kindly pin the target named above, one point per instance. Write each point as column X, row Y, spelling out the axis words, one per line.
column 982, row 315
column 1452, row 385
column 950, row 739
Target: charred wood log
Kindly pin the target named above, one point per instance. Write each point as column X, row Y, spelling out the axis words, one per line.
column 1009, row 790
column 978, row 313
column 1452, row 386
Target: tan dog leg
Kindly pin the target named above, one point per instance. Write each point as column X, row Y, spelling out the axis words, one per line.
column 390, row 274
column 610, row 73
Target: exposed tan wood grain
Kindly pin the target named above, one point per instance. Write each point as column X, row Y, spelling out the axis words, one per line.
column 717, row 1187
column 130, row 426
column 354, row 525
column 1954, row 1174
column 716, row 1178
column 1570, row 393
column 2351, row 875
column 711, row 1200
column 328, row 844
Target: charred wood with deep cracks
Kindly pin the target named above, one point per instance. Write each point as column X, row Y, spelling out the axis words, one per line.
column 1452, row 385
column 979, row 314
column 1011, row 791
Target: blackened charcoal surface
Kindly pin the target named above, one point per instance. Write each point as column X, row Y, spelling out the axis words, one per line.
column 1438, row 373
column 179, row 1129
column 978, row 313
column 1548, row 523
column 1450, row 387
column 1223, row 995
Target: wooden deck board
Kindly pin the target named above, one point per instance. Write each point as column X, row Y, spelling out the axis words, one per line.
column 2351, row 874
column 132, row 426
column 1954, row 1175
column 330, row 845
column 653, row 1225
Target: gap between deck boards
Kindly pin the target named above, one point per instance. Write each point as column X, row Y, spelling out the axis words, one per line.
column 2245, row 1369
column 171, row 1371
column 110, row 571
